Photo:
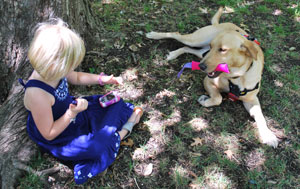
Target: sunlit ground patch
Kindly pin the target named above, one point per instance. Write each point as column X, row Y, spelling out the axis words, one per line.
column 198, row 124
column 255, row 159
column 213, row 177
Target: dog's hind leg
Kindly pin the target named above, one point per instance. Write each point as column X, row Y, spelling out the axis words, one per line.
column 266, row 135
column 199, row 38
column 215, row 19
column 198, row 52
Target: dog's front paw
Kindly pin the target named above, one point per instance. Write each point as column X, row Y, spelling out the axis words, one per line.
column 269, row 138
column 172, row 55
column 153, row 35
column 202, row 100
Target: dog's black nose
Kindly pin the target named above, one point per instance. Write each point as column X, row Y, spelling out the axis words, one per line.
column 202, row 66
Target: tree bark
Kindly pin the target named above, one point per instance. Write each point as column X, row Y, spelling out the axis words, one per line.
column 16, row 23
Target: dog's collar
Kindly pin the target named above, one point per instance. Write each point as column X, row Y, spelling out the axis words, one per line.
column 235, row 92
column 252, row 39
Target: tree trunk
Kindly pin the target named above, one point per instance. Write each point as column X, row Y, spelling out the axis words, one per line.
column 17, row 20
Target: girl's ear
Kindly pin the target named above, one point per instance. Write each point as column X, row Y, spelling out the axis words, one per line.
column 249, row 49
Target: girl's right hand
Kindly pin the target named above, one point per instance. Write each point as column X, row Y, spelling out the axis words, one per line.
column 82, row 105
column 111, row 80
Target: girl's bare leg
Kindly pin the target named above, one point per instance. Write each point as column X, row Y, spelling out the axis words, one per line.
column 134, row 118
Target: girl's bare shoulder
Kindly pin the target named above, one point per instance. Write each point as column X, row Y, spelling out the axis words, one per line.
column 37, row 97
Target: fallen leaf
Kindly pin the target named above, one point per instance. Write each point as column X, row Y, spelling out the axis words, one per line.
column 129, row 143
column 140, row 32
column 272, row 182
column 148, row 170
column 229, row 154
column 203, row 10
column 277, row 12
column 119, row 44
column 107, row 2
column 196, row 154
column 192, row 174
column 292, row 48
column 229, row 10
column 197, row 141
column 133, row 48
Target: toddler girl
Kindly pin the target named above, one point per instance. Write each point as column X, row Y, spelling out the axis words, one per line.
column 86, row 134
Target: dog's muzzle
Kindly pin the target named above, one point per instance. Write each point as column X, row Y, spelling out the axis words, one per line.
column 202, row 66
column 213, row 74
column 222, row 67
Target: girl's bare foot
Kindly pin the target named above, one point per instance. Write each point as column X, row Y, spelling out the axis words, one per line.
column 136, row 115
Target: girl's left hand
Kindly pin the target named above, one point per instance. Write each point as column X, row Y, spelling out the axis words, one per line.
column 112, row 80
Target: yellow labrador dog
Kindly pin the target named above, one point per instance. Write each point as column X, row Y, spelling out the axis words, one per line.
column 227, row 43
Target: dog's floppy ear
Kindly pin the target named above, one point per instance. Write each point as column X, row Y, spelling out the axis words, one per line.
column 249, row 49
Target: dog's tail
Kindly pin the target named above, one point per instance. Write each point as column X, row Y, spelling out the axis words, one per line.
column 215, row 19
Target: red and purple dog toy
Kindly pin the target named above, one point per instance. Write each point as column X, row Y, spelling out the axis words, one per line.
column 223, row 67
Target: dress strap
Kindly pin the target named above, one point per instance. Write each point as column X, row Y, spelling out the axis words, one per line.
column 39, row 84
column 21, row 82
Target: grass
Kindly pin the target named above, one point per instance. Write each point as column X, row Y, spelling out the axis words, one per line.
column 32, row 180
column 174, row 118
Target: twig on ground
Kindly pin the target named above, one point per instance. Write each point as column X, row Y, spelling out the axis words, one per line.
column 41, row 174
column 136, row 183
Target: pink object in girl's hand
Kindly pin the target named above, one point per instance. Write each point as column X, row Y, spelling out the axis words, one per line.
column 109, row 99
column 223, row 67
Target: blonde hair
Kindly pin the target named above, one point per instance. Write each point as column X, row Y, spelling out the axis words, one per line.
column 55, row 50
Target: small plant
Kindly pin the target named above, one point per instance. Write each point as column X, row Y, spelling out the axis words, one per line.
column 263, row 9
column 181, row 26
column 177, row 145
column 256, row 179
column 228, row 2
column 148, row 27
column 297, row 10
column 30, row 181
column 180, row 177
column 244, row 10
column 92, row 70
column 163, row 165
column 280, row 30
column 147, row 8
column 277, row 165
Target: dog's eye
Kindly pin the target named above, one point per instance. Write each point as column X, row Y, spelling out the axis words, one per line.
column 222, row 50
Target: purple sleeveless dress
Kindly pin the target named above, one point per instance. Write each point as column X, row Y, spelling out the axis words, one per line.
column 92, row 142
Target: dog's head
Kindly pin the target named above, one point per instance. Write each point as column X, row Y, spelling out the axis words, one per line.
column 232, row 48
